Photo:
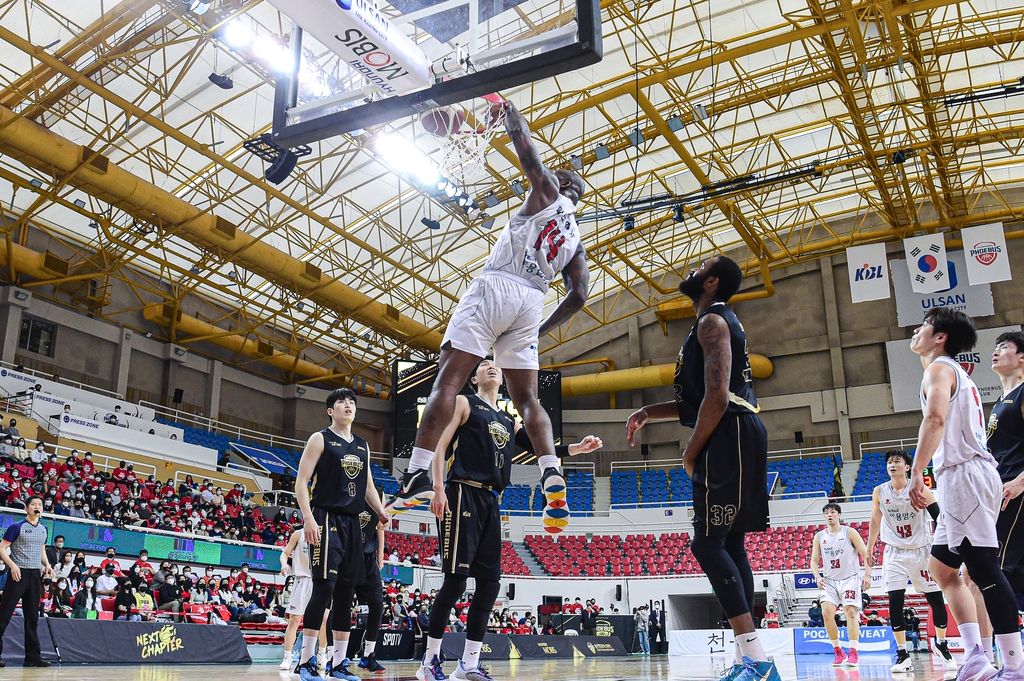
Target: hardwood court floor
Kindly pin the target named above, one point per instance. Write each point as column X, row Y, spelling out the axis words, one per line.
column 659, row 668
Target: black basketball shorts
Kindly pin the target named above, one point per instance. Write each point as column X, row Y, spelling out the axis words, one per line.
column 470, row 534
column 372, row 588
column 730, row 486
column 339, row 555
column 1010, row 530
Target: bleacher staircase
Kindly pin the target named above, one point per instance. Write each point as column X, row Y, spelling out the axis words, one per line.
column 528, row 559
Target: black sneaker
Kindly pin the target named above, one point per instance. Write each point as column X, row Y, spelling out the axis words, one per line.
column 556, row 510
column 413, row 491
column 307, row 671
column 942, row 650
column 37, row 663
column 903, row 662
column 342, row 672
column 370, row 664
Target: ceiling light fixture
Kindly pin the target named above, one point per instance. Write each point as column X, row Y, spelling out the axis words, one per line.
column 677, row 213
column 36, row 182
column 701, row 112
column 79, row 203
column 432, row 224
column 221, row 81
column 985, row 94
column 238, row 35
column 517, row 188
column 628, row 222
column 675, row 124
column 601, row 152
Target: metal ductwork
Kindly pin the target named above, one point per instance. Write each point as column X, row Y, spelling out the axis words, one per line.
column 641, row 377
column 163, row 314
column 93, row 173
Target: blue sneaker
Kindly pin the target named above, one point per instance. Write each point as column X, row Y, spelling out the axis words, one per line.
column 748, row 670
column 431, row 672
column 370, row 664
column 342, row 672
column 308, row 672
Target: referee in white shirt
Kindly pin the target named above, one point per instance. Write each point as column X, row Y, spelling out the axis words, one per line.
column 23, row 549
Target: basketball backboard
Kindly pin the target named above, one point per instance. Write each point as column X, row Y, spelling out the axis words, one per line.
column 358, row 64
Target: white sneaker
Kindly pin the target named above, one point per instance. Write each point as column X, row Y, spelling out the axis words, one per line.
column 903, row 662
column 430, row 672
column 322, row 658
column 286, row 663
column 463, row 674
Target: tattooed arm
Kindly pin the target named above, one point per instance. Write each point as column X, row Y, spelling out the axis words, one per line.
column 543, row 183
column 713, row 336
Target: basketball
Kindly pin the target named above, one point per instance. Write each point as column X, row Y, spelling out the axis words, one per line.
column 443, row 121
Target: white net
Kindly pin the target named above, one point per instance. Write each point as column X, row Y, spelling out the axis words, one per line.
column 465, row 134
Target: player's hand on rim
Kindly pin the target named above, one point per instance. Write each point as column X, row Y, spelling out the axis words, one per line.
column 635, row 422
column 439, row 504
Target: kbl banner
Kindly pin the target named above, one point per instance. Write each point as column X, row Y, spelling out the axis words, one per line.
column 804, row 580
column 815, row 641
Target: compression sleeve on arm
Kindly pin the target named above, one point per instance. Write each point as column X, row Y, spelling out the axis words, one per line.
column 933, row 510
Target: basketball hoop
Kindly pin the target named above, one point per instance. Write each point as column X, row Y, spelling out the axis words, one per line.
column 464, row 132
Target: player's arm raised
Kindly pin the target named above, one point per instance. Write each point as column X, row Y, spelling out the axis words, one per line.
column 939, row 381
column 815, row 559
column 858, row 543
column 874, row 526
column 543, row 183
column 439, row 504
column 713, row 335
column 307, row 464
column 576, row 277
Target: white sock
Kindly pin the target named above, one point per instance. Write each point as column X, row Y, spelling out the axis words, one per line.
column 368, row 647
column 903, row 647
column 340, row 651
column 853, row 645
column 970, row 634
column 835, row 643
column 433, row 650
column 750, row 646
column 1010, row 650
column 308, row 648
column 471, row 654
column 547, row 461
column 420, row 460
column 986, row 645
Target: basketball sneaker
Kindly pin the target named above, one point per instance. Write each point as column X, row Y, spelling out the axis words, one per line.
column 342, row 672
column 477, row 674
column 308, row 671
column 852, row 659
column 903, row 662
column 370, row 664
column 286, row 663
column 942, row 651
column 976, row 667
column 413, row 491
column 431, row 672
column 748, row 670
column 556, row 510
column 840, row 657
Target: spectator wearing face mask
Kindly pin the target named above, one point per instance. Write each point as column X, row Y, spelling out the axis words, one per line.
column 86, row 600
column 12, row 429
column 53, row 552
column 65, row 565
column 125, row 603
column 144, row 602
column 218, row 498
column 88, row 467
column 111, row 561
column 7, row 448
column 38, row 455
column 20, row 450
column 160, row 576
column 106, row 583
column 169, row 597
column 61, row 600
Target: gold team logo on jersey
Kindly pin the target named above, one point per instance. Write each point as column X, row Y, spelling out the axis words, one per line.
column 993, row 423
column 364, row 519
column 351, row 464
column 499, row 433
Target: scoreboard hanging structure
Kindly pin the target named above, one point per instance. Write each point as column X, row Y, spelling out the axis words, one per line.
column 412, row 381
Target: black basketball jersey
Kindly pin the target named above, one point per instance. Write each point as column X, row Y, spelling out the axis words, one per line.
column 1006, row 434
column 689, row 380
column 482, row 447
column 339, row 479
column 368, row 522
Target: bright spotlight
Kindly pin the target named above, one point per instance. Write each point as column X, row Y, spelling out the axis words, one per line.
column 276, row 56
column 404, row 157
column 451, row 190
column 238, row 35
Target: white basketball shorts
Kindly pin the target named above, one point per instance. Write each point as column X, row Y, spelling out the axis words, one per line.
column 301, row 590
column 969, row 496
column 501, row 313
column 900, row 566
column 841, row 592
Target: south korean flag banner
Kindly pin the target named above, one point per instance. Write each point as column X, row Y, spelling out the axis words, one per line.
column 926, row 259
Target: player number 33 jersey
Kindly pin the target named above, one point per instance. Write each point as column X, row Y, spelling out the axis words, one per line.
column 838, row 556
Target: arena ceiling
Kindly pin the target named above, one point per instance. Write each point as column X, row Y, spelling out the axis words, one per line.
column 786, row 130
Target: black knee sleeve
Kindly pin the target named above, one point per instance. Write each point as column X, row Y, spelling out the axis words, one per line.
column 447, row 596
column 896, row 619
column 319, row 601
column 375, row 611
column 734, row 546
column 483, row 600
column 1000, row 602
column 938, row 605
column 341, row 614
column 721, row 571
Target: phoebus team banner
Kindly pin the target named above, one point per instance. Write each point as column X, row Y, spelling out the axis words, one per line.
column 985, row 250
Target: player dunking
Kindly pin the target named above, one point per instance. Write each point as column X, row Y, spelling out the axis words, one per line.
column 727, row 454
column 477, row 447
column 502, row 310
column 338, row 463
column 952, row 436
column 840, row 580
column 1006, row 443
column 907, row 540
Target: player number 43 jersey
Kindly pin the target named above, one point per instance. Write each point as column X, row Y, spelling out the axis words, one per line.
column 838, row 556
column 903, row 527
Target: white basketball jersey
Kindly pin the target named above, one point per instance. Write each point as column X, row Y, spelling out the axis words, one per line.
column 300, row 557
column 964, row 436
column 535, row 248
column 838, row 557
column 903, row 527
